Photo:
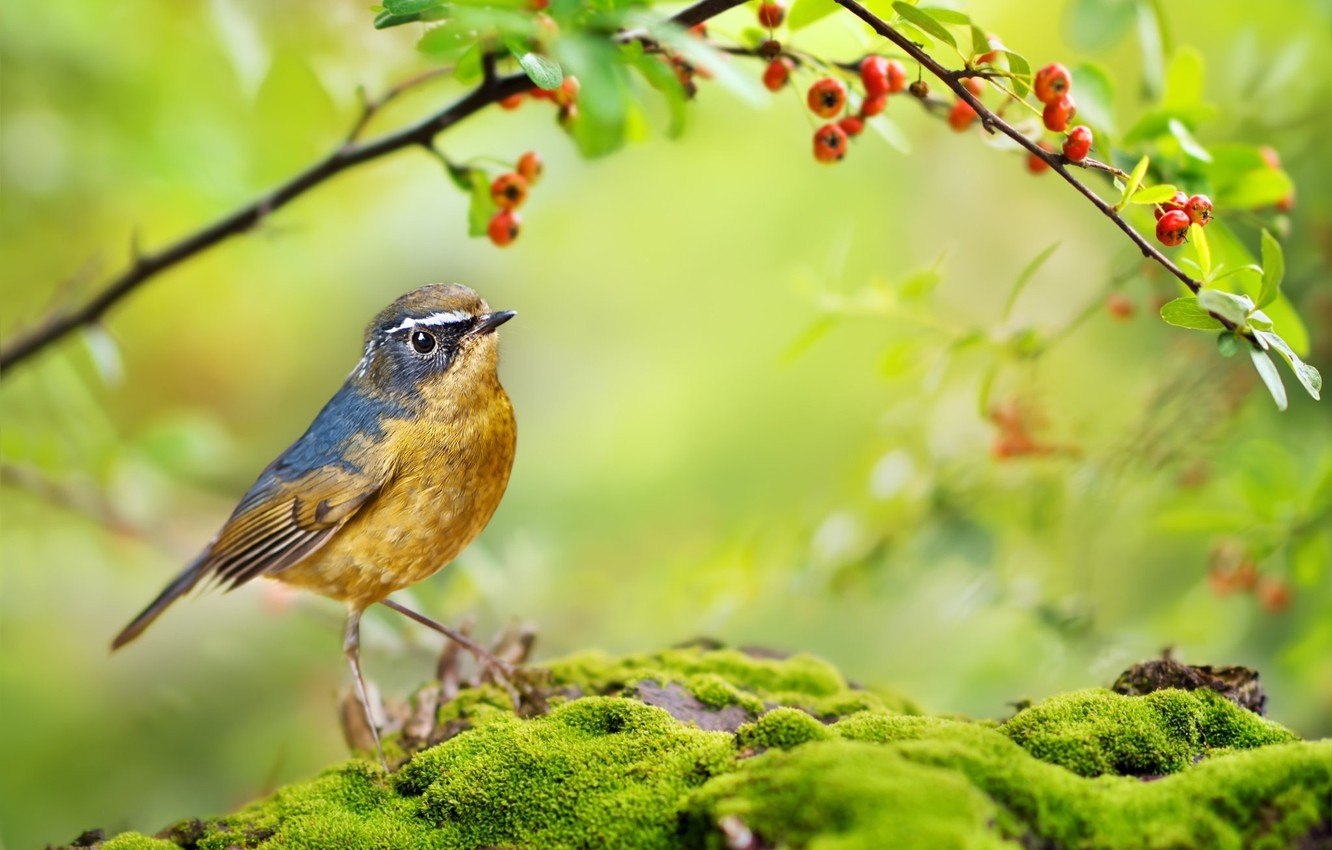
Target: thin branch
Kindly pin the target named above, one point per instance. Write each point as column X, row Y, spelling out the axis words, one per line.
column 370, row 108
column 993, row 122
column 147, row 265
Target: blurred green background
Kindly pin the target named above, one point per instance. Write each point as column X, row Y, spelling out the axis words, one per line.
column 733, row 419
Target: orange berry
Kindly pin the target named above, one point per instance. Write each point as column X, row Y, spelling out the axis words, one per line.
column 1273, row 594
column 567, row 93
column 509, row 191
column 1119, row 306
column 503, row 228
column 975, row 85
column 531, row 167
column 1038, row 164
column 826, row 97
column 1172, row 228
column 1051, row 83
column 961, row 116
column 993, row 56
column 873, row 105
column 897, row 76
column 852, row 125
column 1245, row 576
column 513, row 101
column 777, row 73
column 829, row 143
column 1199, row 209
column 771, row 14
column 1078, row 144
column 1175, row 203
column 874, row 75
column 1058, row 113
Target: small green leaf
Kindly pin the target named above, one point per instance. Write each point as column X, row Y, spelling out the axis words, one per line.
column 946, row 16
column 1307, row 375
column 411, row 7
column 1158, row 194
column 542, row 70
column 1227, row 343
column 1201, row 250
column 1233, row 308
column 1025, row 277
column 980, row 42
column 805, row 12
column 924, row 21
column 1134, row 181
column 1021, row 71
column 482, row 206
column 1267, row 370
column 1186, row 312
column 1274, row 270
column 1187, row 142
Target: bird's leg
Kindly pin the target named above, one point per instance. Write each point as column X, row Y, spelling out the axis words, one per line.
column 501, row 671
column 351, row 647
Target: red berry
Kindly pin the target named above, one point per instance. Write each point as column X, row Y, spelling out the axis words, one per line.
column 700, row 30
column 1175, row 203
column 871, row 106
column 1058, row 113
column 1274, row 595
column 509, row 191
column 771, row 15
column 1078, row 144
column 1172, row 228
column 995, row 46
column 777, row 73
column 1038, row 164
column 567, row 92
column 852, row 125
column 531, row 167
column 874, row 75
column 1199, row 209
column 1051, row 83
column 503, row 228
column 975, row 85
column 827, row 97
column 961, row 116
column 897, row 76
column 1119, row 306
column 830, row 143
column 513, row 101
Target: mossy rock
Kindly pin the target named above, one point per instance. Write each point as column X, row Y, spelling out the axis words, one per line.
column 702, row 748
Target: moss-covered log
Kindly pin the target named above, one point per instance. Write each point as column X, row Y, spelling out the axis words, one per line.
column 707, row 748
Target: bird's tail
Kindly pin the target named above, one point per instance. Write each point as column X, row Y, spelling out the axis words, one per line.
column 179, row 586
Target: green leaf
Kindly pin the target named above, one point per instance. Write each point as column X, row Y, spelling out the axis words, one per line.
column 1233, row 308
column 542, row 70
column 887, row 127
column 1134, row 181
column 1257, row 187
column 1267, row 370
column 1307, row 375
column 1157, row 194
column 482, row 207
column 661, row 76
column 1187, row 142
column 1186, row 312
column 1274, row 269
column 398, row 12
column 1025, row 277
column 1201, row 249
column 1227, row 343
column 604, row 92
column 1020, row 68
column 805, row 12
column 1184, row 80
column 411, row 7
column 980, row 42
column 924, row 21
column 946, row 16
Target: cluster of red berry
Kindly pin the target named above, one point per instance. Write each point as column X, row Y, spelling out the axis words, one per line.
column 828, row 98
column 1053, row 86
column 508, row 191
column 565, row 97
column 1233, row 571
column 1174, row 217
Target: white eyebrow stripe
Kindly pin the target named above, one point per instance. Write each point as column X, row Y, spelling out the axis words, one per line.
column 450, row 318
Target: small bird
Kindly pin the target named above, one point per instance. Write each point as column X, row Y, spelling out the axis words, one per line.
column 398, row 473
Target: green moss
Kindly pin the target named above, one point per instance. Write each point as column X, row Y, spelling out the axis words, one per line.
column 611, row 771
column 1096, row 731
column 798, row 680
column 782, row 728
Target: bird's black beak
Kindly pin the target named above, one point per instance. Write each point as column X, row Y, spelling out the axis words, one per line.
column 490, row 321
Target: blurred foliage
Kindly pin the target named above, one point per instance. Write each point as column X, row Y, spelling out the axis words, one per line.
column 914, row 414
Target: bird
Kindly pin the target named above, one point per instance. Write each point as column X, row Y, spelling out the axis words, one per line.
column 396, row 475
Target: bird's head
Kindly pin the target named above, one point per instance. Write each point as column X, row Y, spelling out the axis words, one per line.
column 440, row 336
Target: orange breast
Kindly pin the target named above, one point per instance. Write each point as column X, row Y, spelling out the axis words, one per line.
column 451, row 469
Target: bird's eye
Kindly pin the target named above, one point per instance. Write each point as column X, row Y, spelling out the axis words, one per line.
column 423, row 342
